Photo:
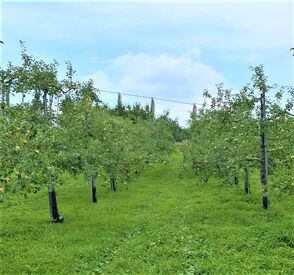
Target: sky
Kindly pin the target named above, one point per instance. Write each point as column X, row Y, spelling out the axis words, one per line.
column 170, row 49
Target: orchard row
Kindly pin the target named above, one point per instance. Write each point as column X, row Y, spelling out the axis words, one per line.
column 230, row 132
column 39, row 144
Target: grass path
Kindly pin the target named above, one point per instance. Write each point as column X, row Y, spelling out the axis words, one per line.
column 161, row 225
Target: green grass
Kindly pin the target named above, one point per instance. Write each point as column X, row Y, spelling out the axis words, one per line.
column 161, row 225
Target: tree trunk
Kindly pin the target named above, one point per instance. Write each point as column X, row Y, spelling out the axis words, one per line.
column 246, row 181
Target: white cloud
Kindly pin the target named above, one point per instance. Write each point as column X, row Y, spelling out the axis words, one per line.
column 172, row 77
column 101, row 80
column 177, row 77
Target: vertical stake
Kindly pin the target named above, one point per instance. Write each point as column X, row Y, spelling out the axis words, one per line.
column 119, row 101
column 264, row 151
column 52, row 194
column 194, row 112
column 152, row 107
column 22, row 99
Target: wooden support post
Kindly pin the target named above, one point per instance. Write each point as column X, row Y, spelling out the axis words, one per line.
column 194, row 112
column 264, row 151
column 23, row 99
column 119, row 101
column 52, row 194
column 152, row 108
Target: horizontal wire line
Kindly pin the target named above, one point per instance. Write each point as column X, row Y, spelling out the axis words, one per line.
column 149, row 97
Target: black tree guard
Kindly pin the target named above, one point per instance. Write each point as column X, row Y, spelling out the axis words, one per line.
column 265, row 201
column 112, row 185
column 53, row 207
column 93, row 189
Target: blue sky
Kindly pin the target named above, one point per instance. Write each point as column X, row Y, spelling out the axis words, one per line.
column 168, row 49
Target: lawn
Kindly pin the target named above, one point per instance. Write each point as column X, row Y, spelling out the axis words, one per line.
column 162, row 224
